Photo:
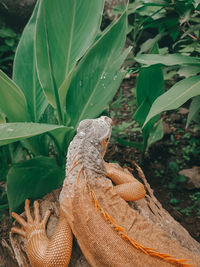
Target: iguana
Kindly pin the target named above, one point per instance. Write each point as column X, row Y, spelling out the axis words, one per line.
column 108, row 230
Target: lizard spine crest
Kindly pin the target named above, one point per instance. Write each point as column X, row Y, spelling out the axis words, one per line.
column 147, row 250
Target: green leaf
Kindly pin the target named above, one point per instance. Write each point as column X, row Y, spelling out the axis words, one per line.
column 124, row 142
column 194, row 111
column 10, row 42
column 142, row 111
column 12, row 101
column 150, row 85
column 151, row 42
column 62, row 137
column 65, row 30
column 62, row 91
column 12, row 132
column 173, row 201
column 188, row 71
column 168, row 60
column 98, row 77
column 38, row 145
column 32, row 179
column 3, row 207
column 24, row 71
column 2, row 117
column 149, row 128
column 196, row 3
column 7, row 32
column 155, row 134
column 176, row 96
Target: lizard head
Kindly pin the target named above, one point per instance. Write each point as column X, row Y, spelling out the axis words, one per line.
column 97, row 132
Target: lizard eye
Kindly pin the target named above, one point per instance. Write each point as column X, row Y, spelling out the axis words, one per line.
column 104, row 142
column 107, row 139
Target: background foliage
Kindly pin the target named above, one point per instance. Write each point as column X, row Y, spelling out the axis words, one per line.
column 165, row 61
column 163, row 33
column 62, row 70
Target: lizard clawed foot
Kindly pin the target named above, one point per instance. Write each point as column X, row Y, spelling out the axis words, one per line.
column 32, row 224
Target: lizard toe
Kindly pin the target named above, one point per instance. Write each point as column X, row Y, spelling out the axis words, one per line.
column 19, row 231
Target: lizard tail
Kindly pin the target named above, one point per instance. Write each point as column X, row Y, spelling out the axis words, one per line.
column 146, row 250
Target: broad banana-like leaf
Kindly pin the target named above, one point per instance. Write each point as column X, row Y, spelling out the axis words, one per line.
column 98, row 75
column 24, row 71
column 176, row 96
column 168, row 60
column 65, row 30
column 12, row 132
column 12, row 101
column 32, row 179
column 62, row 92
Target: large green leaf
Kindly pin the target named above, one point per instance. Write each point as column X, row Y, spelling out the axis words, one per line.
column 98, row 75
column 176, row 96
column 12, row 101
column 32, row 179
column 65, row 30
column 12, row 132
column 62, row 92
column 150, row 85
column 24, row 71
column 168, row 60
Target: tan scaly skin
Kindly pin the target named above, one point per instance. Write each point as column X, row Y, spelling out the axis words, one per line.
column 109, row 232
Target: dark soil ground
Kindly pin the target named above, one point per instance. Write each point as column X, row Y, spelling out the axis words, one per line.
column 179, row 149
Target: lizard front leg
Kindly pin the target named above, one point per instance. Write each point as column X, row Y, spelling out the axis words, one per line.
column 127, row 186
column 42, row 251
